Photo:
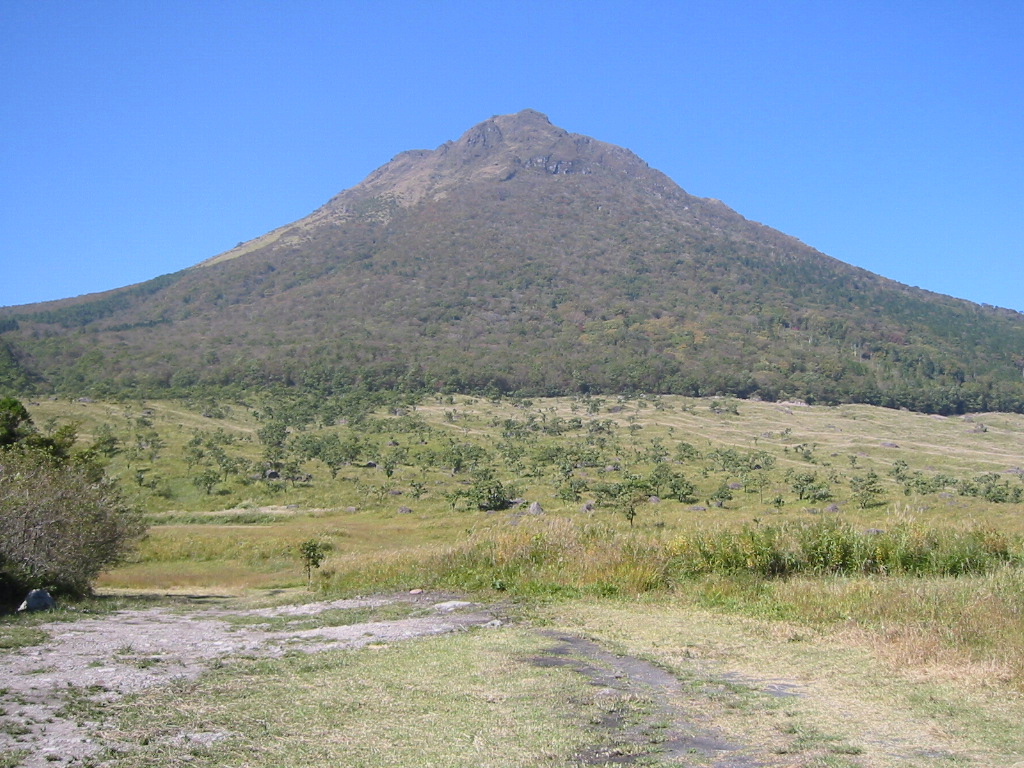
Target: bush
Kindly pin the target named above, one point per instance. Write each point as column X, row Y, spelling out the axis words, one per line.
column 487, row 492
column 59, row 526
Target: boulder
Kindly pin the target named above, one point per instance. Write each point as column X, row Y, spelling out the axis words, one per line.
column 536, row 509
column 38, row 600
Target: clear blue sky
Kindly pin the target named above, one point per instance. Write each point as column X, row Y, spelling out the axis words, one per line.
column 139, row 137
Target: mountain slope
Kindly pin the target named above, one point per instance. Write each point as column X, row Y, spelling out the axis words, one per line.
column 525, row 258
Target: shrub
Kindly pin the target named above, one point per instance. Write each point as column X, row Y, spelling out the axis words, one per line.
column 60, row 525
column 486, row 493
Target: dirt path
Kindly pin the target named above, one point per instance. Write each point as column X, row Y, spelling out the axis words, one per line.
column 102, row 659
column 677, row 736
column 114, row 655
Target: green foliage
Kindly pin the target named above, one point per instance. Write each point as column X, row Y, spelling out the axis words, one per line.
column 686, row 452
column 867, row 490
column 106, row 442
column 274, row 435
column 15, row 422
column 836, row 547
column 682, row 490
column 721, row 495
column 13, row 377
column 206, row 480
column 487, row 492
column 667, row 294
column 313, row 553
column 992, row 488
column 61, row 526
column 77, row 314
column 572, row 489
column 391, row 458
column 216, row 466
column 461, row 456
column 331, row 449
column 808, row 487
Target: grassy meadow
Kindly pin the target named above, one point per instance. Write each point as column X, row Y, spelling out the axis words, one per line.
column 639, row 496
column 872, row 553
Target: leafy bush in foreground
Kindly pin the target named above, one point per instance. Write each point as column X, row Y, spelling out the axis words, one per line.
column 60, row 525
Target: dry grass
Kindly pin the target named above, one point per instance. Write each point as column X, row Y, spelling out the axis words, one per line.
column 967, row 628
column 828, row 682
column 969, row 622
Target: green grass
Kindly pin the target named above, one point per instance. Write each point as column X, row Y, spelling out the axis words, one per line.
column 471, row 699
column 13, row 759
column 840, row 442
column 834, row 546
column 214, row 518
column 936, row 589
column 246, row 534
column 13, row 636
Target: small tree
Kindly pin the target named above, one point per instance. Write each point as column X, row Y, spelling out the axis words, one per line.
column 682, row 490
column 486, row 493
column 313, row 553
column 629, row 510
column 867, row 490
column 756, row 482
column 15, row 422
column 721, row 495
column 206, row 479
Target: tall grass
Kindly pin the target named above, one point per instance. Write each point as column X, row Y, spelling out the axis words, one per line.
column 920, row 596
column 550, row 556
column 563, row 555
column 833, row 546
column 967, row 626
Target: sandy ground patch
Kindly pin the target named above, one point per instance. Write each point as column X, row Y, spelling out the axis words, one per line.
column 121, row 653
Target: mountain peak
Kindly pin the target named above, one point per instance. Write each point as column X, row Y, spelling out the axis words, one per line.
column 496, row 150
column 524, row 128
column 502, row 148
column 524, row 258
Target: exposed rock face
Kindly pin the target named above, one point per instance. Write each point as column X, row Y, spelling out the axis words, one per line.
column 38, row 600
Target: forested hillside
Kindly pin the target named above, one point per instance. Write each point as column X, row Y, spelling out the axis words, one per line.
column 522, row 258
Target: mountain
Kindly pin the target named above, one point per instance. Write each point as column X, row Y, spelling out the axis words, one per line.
column 524, row 258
